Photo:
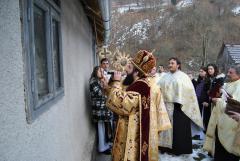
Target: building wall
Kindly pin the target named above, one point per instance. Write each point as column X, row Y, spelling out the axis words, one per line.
column 224, row 60
column 64, row 132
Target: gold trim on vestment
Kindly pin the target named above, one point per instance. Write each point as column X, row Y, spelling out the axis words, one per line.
column 140, row 122
column 138, row 68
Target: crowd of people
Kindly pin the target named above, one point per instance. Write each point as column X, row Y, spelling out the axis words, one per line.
column 146, row 110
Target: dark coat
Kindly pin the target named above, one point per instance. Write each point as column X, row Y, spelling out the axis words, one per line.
column 203, row 96
column 99, row 110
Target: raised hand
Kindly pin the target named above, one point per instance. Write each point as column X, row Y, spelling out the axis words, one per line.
column 117, row 76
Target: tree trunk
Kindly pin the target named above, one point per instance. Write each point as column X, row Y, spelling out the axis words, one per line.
column 204, row 48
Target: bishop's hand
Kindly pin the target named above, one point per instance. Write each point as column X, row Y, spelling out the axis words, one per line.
column 117, row 76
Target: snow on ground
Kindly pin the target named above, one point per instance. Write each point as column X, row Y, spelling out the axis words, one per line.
column 132, row 6
column 197, row 155
column 236, row 10
column 140, row 6
column 139, row 29
column 184, row 3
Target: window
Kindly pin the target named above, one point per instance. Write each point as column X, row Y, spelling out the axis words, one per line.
column 42, row 41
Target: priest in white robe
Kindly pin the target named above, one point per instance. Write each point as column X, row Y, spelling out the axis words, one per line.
column 223, row 133
column 182, row 106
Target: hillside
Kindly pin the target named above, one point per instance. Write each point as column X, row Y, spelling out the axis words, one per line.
column 191, row 30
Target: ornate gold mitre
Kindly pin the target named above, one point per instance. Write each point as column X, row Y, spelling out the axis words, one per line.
column 144, row 61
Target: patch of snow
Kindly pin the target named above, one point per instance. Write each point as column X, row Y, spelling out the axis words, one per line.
column 168, row 157
column 159, row 34
column 128, row 7
column 193, row 62
column 135, row 7
column 139, row 29
column 184, row 3
column 190, row 63
column 236, row 10
column 188, row 157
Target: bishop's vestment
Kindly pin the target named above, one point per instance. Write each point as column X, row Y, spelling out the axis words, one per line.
column 141, row 118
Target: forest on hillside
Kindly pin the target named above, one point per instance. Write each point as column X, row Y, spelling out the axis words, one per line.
column 193, row 30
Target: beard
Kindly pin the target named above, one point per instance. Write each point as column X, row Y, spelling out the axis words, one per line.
column 128, row 80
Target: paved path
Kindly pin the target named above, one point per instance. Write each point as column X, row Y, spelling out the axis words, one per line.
column 103, row 157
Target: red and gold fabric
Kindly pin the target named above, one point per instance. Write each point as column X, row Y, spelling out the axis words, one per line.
column 138, row 126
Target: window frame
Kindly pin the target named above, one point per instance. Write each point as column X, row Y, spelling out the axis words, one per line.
column 55, row 16
column 36, row 106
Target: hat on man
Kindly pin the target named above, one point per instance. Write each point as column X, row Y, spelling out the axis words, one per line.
column 144, row 61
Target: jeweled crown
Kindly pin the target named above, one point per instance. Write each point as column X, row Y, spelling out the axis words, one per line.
column 144, row 61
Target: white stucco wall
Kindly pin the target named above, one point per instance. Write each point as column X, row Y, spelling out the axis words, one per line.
column 64, row 132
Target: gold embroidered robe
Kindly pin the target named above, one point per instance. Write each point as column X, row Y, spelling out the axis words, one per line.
column 128, row 105
column 228, row 129
column 178, row 88
column 164, row 122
